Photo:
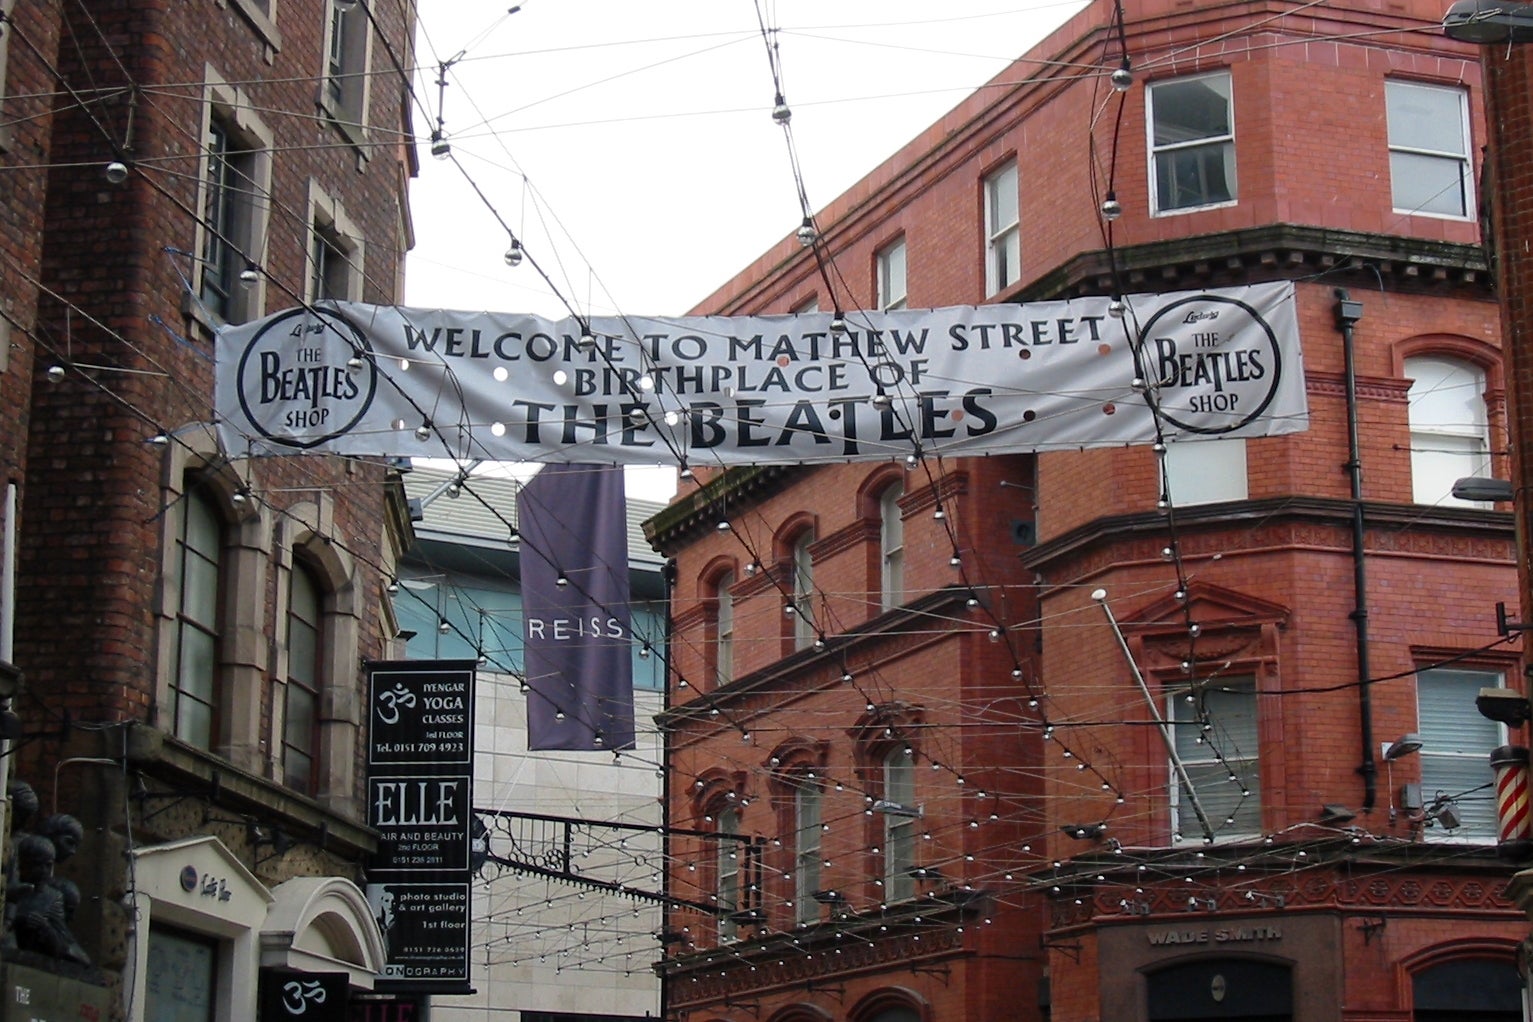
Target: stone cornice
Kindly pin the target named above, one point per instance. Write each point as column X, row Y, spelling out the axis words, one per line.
column 810, row 668
column 1396, row 528
column 1271, row 252
column 695, row 513
column 864, row 530
column 1375, row 388
column 1488, row 892
column 162, row 755
column 921, row 933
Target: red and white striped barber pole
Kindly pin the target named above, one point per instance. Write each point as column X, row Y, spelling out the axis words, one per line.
column 1514, row 817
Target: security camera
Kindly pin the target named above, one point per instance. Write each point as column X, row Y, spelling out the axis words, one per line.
column 1505, row 705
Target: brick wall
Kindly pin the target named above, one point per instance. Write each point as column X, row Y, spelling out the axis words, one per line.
column 1270, row 579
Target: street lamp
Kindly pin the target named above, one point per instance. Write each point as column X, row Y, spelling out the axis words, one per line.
column 1487, row 21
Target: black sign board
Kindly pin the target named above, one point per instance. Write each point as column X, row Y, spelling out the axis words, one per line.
column 310, row 996
column 423, row 713
column 425, row 929
column 420, row 800
column 421, row 821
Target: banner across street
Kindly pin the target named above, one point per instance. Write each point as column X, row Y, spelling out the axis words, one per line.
column 390, row 381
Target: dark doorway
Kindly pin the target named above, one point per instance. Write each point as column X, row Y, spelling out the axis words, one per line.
column 1224, row 988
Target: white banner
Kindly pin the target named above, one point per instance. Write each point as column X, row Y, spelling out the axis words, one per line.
column 389, row 381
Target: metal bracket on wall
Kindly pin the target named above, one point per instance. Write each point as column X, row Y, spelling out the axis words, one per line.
column 1073, row 950
column 839, row 989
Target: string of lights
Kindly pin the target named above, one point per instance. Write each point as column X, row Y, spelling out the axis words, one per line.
column 825, row 629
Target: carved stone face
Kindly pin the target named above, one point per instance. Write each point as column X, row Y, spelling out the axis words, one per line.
column 34, row 859
column 65, row 832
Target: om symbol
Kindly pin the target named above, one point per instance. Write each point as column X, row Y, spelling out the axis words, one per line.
column 297, row 995
column 389, row 702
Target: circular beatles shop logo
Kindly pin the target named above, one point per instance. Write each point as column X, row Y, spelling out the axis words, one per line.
column 1215, row 363
column 306, row 378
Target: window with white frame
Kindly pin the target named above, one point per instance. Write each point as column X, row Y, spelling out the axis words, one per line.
column 229, row 192
column 1205, row 471
column 335, row 250
column 194, row 674
column 1456, row 742
column 899, row 825
column 1191, row 124
column 344, row 95
column 300, row 729
column 804, row 627
column 891, row 276
column 1450, row 435
column 724, row 644
column 1003, row 237
column 236, row 180
column 1215, row 730
column 806, row 849
column 1429, row 165
column 728, row 873
column 262, row 16
column 891, row 540
column 327, row 265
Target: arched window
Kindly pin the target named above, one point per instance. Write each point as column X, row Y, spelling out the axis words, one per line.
column 300, row 729
column 891, row 541
column 886, row 754
column 724, row 638
column 899, row 812
column 728, row 890
column 806, row 848
column 890, row 1004
column 804, row 625
column 1468, row 990
column 194, row 676
column 1450, row 438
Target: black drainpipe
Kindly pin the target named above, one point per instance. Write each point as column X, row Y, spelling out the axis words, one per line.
column 668, row 573
column 1348, row 313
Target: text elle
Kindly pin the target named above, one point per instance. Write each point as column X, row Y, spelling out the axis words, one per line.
column 427, row 803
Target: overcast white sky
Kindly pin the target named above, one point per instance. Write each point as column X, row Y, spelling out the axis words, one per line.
column 630, row 145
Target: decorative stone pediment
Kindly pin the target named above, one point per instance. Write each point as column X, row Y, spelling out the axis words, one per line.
column 322, row 924
column 1207, row 623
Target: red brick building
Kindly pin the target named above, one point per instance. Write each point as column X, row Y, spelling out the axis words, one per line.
column 1112, row 734
column 190, row 623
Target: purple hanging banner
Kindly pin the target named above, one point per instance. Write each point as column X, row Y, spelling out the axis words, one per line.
column 573, row 521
